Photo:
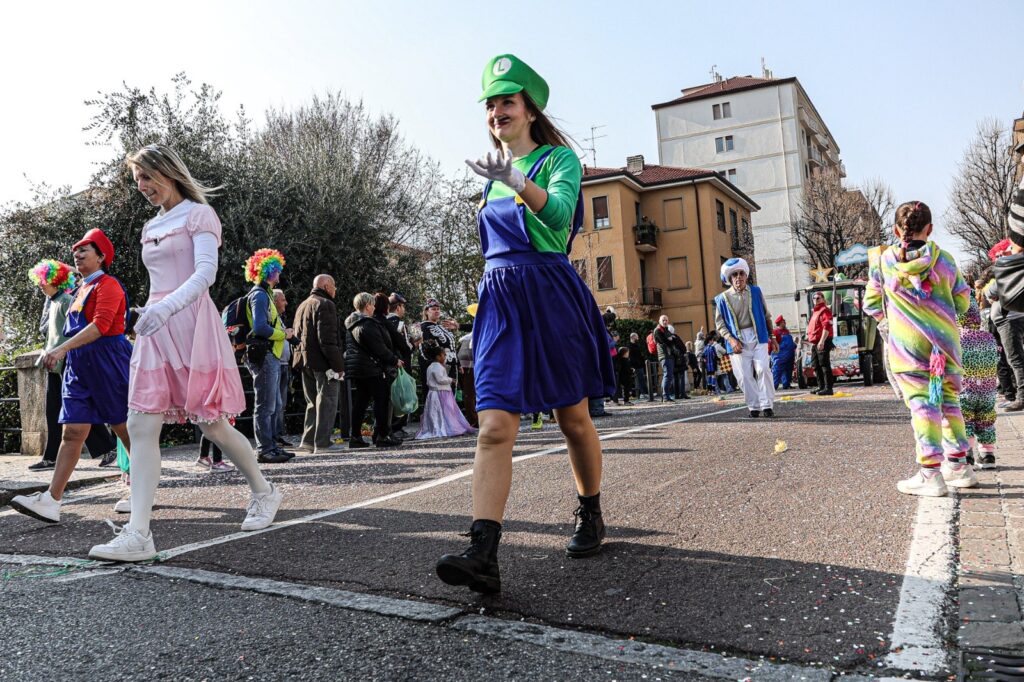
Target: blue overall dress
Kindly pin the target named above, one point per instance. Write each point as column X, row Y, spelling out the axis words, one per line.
column 95, row 389
column 539, row 342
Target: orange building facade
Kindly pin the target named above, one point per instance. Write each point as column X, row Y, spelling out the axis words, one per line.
column 654, row 239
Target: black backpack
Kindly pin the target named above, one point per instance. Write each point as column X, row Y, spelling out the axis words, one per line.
column 236, row 321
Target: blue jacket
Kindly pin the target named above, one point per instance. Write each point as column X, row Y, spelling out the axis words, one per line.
column 757, row 312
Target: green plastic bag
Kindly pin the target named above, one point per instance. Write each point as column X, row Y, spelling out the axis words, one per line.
column 122, row 457
column 403, row 393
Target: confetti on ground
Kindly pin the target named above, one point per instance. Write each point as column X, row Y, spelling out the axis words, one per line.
column 780, row 447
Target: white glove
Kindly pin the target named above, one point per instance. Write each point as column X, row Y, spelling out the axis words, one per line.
column 334, row 376
column 499, row 167
column 153, row 318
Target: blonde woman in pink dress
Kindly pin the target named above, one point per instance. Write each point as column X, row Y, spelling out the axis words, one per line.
column 182, row 366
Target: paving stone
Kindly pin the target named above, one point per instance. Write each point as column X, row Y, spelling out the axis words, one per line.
column 984, row 553
column 981, row 505
column 992, row 635
column 988, row 533
column 989, row 604
column 981, row 519
column 985, row 577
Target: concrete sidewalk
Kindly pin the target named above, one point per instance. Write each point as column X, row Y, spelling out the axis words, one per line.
column 990, row 569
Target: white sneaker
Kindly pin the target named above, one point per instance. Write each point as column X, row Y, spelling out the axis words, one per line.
column 964, row 478
column 38, row 505
column 927, row 486
column 262, row 509
column 124, row 506
column 127, row 545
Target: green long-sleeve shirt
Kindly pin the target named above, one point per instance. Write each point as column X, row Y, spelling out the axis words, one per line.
column 560, row 176
column 58, row 310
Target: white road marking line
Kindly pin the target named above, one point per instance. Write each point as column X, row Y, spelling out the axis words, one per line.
column 544, row 636
column 30, row 560
column 203, row 544
column 917, row 630
column 628, row 651
column 386, row 606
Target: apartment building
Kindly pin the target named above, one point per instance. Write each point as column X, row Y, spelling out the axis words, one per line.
column 766, row 137
column 654, row 239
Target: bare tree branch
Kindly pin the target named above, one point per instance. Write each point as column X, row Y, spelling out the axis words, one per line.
column 981, row 193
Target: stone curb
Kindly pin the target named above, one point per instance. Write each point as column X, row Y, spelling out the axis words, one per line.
column 992, row 550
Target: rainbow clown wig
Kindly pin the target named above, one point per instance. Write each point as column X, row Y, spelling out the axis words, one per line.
column 263, row 265
column 54, row 273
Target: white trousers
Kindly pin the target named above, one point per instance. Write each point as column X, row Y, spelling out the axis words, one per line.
column 759, row 392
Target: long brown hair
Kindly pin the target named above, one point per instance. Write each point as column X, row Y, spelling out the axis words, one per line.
column 542, row 130
column 912, row 218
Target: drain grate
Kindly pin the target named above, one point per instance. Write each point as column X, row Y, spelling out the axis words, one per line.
column 978, row 665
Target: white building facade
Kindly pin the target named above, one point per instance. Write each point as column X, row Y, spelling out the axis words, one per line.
column 765, row 136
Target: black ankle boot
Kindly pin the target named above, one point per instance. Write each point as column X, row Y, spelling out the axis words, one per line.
column 477, row 567
column 589, row 533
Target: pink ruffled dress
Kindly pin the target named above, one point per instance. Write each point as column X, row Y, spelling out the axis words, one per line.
column 187, row 369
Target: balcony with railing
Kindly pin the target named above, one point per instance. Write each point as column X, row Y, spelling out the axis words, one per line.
column 646, row 236
column 649, row 296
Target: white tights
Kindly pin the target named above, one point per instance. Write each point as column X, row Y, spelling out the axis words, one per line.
column 144, row 431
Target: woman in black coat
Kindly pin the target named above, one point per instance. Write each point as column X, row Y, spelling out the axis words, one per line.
column 370, row 365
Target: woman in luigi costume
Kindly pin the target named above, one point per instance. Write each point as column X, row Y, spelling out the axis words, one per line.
column 538, row 339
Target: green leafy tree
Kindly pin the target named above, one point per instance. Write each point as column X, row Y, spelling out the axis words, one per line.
column 332, row 187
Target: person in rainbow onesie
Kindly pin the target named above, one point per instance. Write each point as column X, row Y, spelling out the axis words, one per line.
column 531, row 210
column 918, row 289
column 743, row 321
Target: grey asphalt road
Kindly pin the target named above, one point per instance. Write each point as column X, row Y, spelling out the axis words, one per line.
column 129, row 627
column 716, row 541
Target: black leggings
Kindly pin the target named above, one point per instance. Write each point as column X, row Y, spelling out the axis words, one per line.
column 377, row 390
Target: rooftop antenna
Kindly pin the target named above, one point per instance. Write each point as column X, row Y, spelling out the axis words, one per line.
column 765, row 71
column 592, row 140
column 715, row 76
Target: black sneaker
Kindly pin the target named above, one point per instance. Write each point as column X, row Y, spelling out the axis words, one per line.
column 109, row 459
column 42, row 465
column 272, row 457
column 754, row 414
column 827, row 391
column 388, row 442
column 987, row 461
column 768, row 413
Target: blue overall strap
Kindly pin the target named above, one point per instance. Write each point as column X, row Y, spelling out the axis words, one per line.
column 537, row 164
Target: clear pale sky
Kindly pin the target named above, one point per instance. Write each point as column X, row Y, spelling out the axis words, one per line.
column 901, row 85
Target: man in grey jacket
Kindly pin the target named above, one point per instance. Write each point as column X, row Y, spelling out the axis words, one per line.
column 320, row 358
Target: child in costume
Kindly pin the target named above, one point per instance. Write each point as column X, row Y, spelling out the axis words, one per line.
column 531, row 210
column 182, row 365
column 441, row 416
column 919, row 290
column 978, row 395
column 743, row 321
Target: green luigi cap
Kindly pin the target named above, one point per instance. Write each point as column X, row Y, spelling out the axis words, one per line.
column 506, row 74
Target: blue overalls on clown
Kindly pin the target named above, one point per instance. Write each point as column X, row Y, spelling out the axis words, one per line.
column 539, row 342
column 95, row 389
